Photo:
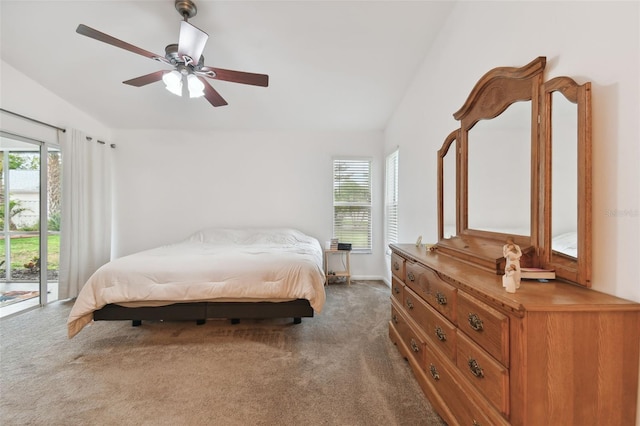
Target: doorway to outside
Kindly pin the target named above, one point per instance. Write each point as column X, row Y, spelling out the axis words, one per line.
column 30, row 197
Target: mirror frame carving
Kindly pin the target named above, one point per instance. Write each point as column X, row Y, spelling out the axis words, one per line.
column 492, row 95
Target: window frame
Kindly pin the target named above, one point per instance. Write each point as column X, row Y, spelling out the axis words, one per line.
column 366, row 205
column 391, row 229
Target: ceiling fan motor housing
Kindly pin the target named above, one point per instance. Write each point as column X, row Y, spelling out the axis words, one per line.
column 171, row 53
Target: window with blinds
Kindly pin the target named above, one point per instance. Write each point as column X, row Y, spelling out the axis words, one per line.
column 352, row 203
column 391, row 199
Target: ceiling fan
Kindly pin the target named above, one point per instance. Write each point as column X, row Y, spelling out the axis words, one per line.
column 185, row 58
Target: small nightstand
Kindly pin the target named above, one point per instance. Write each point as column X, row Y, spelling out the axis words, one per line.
column 346, row 258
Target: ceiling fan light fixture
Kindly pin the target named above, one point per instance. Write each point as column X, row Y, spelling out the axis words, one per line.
column 173, row 82
column 196, row 87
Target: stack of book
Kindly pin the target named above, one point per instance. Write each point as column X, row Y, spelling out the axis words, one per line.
column 334, row 244
column 537, row 274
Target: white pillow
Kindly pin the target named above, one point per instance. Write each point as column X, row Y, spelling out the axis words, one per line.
column 249, row 236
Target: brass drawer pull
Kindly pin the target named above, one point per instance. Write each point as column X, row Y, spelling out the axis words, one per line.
column 434, row 372
column 475, row 322
column 394, row 317
column 396, row 289
column 441, row 298
column 411, row 276
column 409, row 303
column 396, row 266
column 441, row 334
column 475, row 423
column 414, row 346
column 476, row 370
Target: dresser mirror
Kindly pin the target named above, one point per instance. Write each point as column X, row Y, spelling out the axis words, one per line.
column 564, row 175
column 522, row 170
column 566, row 138
column 499, row 167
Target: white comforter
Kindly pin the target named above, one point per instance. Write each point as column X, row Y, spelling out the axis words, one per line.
column 215, row 264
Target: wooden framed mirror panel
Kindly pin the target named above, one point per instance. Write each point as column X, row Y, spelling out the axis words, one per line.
column 448, row 196
column 566, row 185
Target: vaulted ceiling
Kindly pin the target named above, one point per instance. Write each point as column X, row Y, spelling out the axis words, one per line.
column 333, row 65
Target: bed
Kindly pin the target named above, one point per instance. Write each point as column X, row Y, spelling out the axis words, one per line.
column 214, row 273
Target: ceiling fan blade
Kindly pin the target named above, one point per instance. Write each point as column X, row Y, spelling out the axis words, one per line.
column 212, row 95
column 106, row 38
column 236, row 76
column 191, row 42
column 146, row 79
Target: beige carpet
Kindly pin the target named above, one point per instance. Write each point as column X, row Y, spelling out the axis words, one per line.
column 338, row 368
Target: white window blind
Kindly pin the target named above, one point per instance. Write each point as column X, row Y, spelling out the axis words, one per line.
column 352, row 203
column 391, row 199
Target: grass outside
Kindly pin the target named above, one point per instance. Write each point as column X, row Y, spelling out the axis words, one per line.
column 24, row 249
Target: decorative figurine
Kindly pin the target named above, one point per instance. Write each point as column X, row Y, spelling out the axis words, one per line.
column 508, row 279
column 512, row 253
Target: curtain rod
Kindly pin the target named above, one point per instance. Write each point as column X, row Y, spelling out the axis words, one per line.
column 34, row 120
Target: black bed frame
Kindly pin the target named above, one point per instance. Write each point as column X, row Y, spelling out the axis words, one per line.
column 201, row 311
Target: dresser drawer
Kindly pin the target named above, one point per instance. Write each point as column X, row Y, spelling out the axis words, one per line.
column 486, row 326
column 397, row 289
column 441, row 376
column 415, row 344
column 428, row 285
column 397, row 266
column 490, row 377
column 439, row 331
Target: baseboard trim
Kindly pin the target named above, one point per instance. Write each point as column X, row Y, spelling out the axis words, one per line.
column 371, row 278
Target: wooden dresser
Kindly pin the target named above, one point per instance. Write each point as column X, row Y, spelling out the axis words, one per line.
column 550, row 354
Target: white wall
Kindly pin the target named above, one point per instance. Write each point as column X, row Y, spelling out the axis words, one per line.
column 590, row 41
column 170, row 184
column 22, row 95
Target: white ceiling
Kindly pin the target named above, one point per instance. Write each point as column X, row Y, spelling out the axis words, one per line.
column 332, row 65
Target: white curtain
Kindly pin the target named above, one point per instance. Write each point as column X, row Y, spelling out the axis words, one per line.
column 85, row 229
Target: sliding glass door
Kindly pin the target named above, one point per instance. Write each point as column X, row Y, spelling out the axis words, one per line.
column 30, row 194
